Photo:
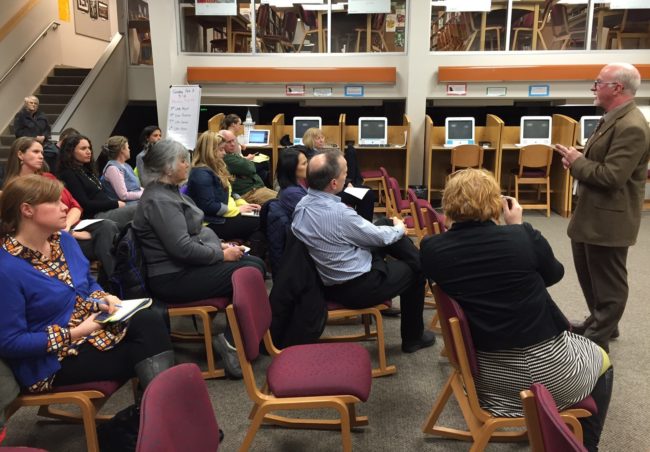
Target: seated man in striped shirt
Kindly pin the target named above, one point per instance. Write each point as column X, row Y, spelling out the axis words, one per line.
column 349, row 251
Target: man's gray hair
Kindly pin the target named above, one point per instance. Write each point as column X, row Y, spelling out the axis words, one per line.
column 160, row 160
column 31, row 98
column 627, row 75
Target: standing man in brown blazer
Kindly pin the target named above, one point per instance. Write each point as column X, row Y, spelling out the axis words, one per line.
column 610, row 177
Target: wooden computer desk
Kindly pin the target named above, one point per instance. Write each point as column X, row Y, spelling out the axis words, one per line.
column 437, row 157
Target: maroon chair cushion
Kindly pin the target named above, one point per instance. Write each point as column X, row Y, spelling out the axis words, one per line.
column 588, row 404
column 556, row 435
column 218, row 302
column 252, row 308
column 529, row 172
column 106, row 387
column 321, row 370
column 371, row 174
column 448, row 309
column 408, row 221
column 176, row 413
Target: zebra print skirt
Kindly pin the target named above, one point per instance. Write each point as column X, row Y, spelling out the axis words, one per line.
column 568, row 365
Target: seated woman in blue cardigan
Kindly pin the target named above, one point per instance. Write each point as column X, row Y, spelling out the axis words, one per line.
column 226, row 212
column 48, row 333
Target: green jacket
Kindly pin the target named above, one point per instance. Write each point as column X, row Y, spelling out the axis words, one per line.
column 246, row 179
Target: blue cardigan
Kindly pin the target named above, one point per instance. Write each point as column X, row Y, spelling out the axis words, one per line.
column 30, row 302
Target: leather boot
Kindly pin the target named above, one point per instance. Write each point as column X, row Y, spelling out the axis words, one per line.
column 147, row 369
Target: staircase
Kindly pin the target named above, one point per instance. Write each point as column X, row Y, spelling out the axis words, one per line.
column 54, row 94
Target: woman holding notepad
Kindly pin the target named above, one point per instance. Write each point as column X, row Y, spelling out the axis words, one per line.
column 96, row 240
column 209, row 186
column 48, row 333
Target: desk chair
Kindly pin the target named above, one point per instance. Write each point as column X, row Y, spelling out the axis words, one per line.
column 466, row 156
column 548, row 430
column 283, row 41
column 472, row 31
column 87, row 397
column 377, row 28
column 176, row 413
column 262, row 19
column 482, row 426
column 300, row 377
column 535, row 169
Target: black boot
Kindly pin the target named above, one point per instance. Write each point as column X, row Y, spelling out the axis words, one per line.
column 147, row 369
column 120, row 434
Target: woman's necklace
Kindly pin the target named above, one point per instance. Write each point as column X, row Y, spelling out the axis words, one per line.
column 90, row 176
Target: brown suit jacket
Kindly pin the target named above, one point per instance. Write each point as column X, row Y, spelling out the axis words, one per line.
column 612, row 179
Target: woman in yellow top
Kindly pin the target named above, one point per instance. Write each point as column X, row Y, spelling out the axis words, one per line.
column 230, row 216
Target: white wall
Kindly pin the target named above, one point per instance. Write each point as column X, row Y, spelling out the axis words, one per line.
column 60, row 47
column 416, row 72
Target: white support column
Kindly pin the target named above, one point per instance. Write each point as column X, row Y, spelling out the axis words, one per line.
column 418, row 81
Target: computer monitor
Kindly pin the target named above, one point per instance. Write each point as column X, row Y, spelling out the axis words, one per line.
column 373, row 131
column 301, row 124
column 459, row 131
column 587, row 126
column 258, row 138
column 535, row 130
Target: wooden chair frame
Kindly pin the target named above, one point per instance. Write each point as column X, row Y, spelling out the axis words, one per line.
column 367, row 314
column 265, row 403
column 481, row 425
column 205, row 313
column 89, row 403
column 382, row 190
column 532, row 422
column 466, row 156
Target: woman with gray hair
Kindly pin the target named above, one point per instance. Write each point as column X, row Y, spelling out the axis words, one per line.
column 186, row 261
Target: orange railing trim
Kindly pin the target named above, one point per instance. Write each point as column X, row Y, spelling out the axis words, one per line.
column 383, row 75
column 526, row 73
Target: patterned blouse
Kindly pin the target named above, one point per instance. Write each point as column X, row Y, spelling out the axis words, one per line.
column 59, row 338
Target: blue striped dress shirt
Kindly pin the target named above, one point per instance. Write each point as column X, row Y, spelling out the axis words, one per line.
column 338, row 239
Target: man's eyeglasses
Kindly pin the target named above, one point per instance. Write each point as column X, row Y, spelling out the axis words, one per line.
column 598, row 83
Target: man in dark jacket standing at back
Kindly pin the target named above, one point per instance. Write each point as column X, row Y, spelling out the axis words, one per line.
column 610, row 177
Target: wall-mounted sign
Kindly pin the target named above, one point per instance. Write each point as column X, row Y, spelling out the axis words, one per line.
column 212, row 8
column 496, row 91
column 322, row 92
column 456, row 89
column 354, row 91
column 295, row 90
column 468, row 5
column 539, row 90
column 368, row 6
column 628, row 4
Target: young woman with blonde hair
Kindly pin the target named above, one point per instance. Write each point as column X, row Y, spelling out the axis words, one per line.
column 209, row 185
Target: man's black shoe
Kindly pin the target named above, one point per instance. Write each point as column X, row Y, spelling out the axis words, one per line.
column 427, row 340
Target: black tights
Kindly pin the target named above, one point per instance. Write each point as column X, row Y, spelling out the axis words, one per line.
column 146, row 336
column 592, row 426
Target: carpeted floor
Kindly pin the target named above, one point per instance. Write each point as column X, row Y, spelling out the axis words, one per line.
column 399, row 404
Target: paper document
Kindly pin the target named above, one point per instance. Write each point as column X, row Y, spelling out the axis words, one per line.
column 83, row 224
column 129, row 307
column 259, row 158
column 357, row 192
